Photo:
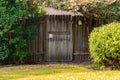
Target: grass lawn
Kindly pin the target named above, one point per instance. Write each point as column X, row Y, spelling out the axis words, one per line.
column 56, row 72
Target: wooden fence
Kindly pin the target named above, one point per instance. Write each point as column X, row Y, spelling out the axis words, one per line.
column 39, row 47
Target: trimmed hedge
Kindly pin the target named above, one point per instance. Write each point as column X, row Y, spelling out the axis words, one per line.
column 104, row 44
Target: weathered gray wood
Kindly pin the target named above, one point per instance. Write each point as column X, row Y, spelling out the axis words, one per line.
column 47, row 55
column 67, row 38
column 59, row 35
column 70, row 44
column 80, row 40
column 36, row 47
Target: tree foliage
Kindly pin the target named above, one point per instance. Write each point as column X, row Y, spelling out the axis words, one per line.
column 97, row 12
column 18, row 19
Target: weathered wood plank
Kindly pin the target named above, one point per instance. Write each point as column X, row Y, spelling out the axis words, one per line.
column 60, row 41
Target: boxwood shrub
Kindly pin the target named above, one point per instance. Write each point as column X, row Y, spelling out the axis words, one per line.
column 104, row 44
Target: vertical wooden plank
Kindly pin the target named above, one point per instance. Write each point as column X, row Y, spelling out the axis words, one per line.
column 51, row 41
column 55, row 37
column 71, row 40
column 49, row 29
column 66, row 29
column 44, row 39
column 58, row 29
column 80, row 39
column 39, row 41
column 36, row 40
column 47, row 41
column 66, row 36
column 77, row 35
column 76, row 31
column 64, row 43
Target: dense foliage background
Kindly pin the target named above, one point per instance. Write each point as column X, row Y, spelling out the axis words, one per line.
column 18, row 20
column 94, row 13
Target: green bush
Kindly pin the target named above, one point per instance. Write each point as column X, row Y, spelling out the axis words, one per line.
column 104, row 44
column 18, row 20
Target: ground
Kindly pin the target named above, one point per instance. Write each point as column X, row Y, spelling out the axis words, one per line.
column 56, row 72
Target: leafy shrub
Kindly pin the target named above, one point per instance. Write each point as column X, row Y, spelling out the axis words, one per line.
column 104, row 43
column 18, row 19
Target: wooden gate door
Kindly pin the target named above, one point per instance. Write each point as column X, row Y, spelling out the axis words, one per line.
column 59, row 38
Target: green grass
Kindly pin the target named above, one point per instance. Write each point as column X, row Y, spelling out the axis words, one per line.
column 56, row 72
